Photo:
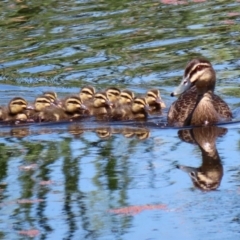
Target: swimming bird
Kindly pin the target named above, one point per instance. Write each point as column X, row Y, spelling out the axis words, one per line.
column 154, row 101
column 197, row 104
column 15, row 111
column 71, row 109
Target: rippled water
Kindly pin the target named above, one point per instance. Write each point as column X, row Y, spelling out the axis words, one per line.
column 111, row 180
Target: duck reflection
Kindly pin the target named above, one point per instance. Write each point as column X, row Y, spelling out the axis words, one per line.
column 208, row 176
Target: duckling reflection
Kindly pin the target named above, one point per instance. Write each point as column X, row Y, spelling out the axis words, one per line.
column 140, row 133
column 19, row 132
column 103, row 132
column 76, row 129
column 208, row 176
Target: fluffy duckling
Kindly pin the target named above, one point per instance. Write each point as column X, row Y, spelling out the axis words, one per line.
column 100, row 106
column 87, row 93
column 53, row 97
column 15, row 111
column 41, row 102
column 71, row 109
column 113, row 94
column 154, row 101
column 138, row 110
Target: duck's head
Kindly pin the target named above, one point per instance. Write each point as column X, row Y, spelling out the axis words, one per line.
column 87, row 93
column 42, row 102
column 113, row 94
column 101, row 100
column 153, row 98
column 53, row 97
column 18, row 105
column 126, row 97
column 198, row 72
column 73, row 104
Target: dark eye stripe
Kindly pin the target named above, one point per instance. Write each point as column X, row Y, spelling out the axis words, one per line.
column 151, row 95
column 74, row 102
column 43, row 101
column 87, row 92
column 18, row 103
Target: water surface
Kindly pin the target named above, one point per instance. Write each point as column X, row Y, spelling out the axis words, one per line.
column 111, row 180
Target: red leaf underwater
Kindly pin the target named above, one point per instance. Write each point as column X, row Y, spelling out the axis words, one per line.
column 132, row 210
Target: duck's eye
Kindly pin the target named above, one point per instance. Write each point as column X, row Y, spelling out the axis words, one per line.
column 200, row 67
column 73, row 102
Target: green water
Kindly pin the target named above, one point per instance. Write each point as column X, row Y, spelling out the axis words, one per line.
column 91, row 180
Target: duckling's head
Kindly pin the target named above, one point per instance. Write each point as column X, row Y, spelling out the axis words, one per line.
column 73, row 104
column 126, row 97
column 17, row 105
column 198, row 72
column 139, row 105
column 87, row 93
column 101, row 100
column 53, row 97
column 154, row 99
column 42, row 102
column 113, row 94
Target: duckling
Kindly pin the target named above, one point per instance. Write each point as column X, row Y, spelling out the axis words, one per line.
column 113, row 94
column 137, row 111
column 15, row 111
column 41, row 102
column 126, row 97
column 70, row 110
column 100, row 107
column 154, row 101
column 123, row 104
column 53, row 97
column 197, row 104
column 87, row 93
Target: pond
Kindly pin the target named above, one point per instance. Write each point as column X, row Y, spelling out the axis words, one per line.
column 118, row 180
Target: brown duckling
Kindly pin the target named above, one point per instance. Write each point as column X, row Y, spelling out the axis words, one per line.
column 113, row 95
column 123, row 105
column 15, row 111
column 87, row 93
column 138, row 110
column 197, row 104
column 71, row 109
column 41, row 102
column 100, row 106
column 154, row 101
column 53, row 97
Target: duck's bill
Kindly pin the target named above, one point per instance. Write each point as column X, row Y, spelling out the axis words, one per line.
column 183, row 86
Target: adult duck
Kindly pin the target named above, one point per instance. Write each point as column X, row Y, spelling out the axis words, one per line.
column 198, row 105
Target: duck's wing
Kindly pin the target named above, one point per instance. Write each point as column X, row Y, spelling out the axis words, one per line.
column 181, row 110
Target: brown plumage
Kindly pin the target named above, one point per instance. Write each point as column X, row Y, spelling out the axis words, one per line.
column 154, row 101
column 100, row 106
column 71, row 109
column 138, row 110
column 197, row 104
column 15, row 111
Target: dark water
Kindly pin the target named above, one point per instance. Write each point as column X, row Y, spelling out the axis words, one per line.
column 117, row 181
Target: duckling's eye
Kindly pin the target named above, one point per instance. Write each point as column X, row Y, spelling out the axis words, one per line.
column 200, row 67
